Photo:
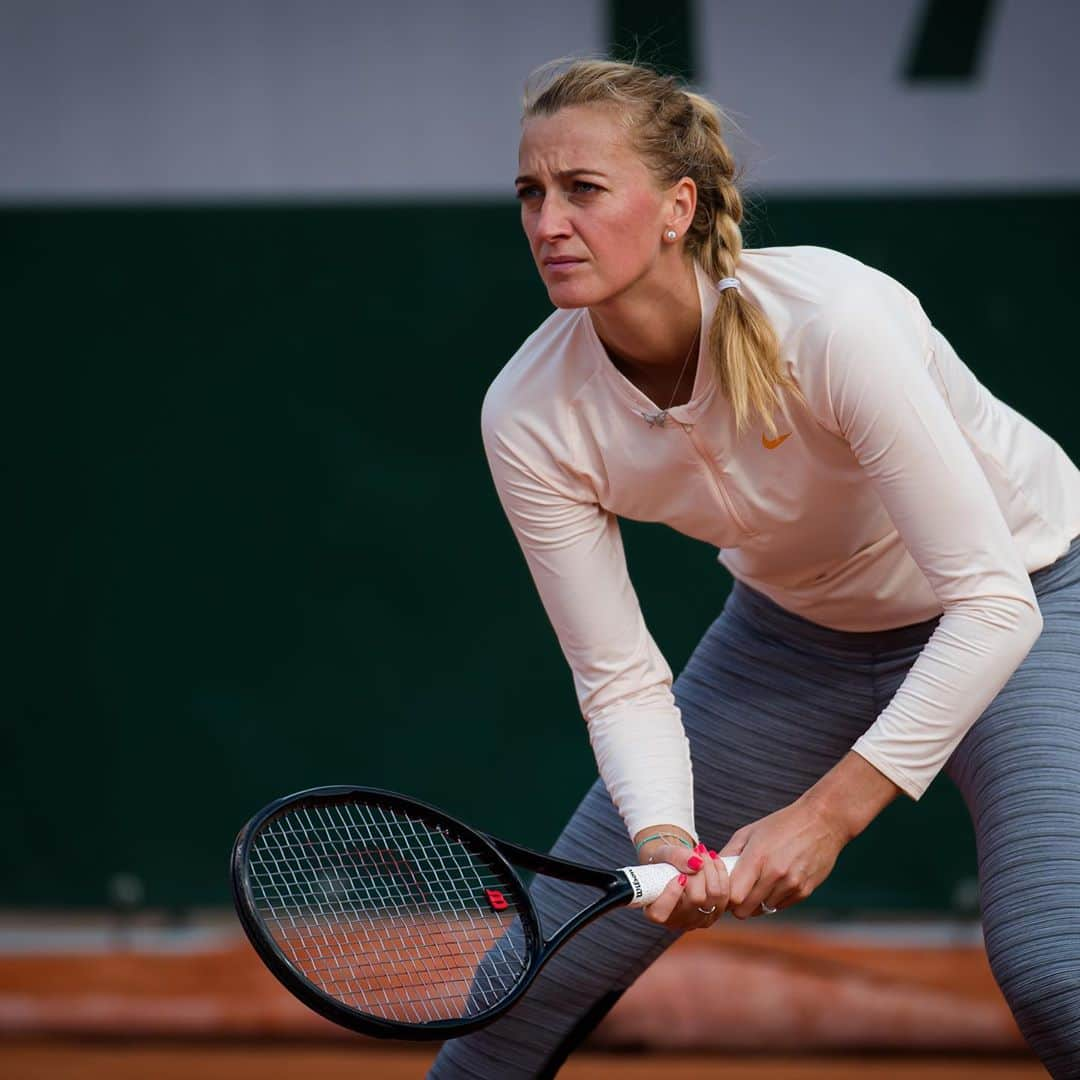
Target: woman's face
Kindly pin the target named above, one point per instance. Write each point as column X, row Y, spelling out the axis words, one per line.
column 590, row 208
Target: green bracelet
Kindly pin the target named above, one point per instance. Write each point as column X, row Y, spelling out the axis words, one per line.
column 663, row 836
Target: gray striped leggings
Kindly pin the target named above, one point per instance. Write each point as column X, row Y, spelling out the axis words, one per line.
column 770, row 703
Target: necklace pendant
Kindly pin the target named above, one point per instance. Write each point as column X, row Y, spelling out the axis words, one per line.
column 659, row 419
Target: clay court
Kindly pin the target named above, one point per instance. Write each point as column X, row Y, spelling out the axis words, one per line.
column 902, row 999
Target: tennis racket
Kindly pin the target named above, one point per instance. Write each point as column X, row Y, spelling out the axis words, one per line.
column 394, row 919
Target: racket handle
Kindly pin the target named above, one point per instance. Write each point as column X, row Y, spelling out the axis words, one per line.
column 648, row 881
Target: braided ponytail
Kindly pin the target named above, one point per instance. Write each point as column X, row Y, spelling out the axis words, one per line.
column 742, row 343
column 679, row 133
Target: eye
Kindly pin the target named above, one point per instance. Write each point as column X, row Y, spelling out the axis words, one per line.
column 581, row 187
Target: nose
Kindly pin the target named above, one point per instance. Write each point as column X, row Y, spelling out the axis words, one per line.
column 553, row 221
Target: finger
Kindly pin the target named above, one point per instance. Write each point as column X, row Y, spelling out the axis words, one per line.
column 711, row 917
column 751, row 906
column 780, row 899
column 709, row 875
column 720, row 887
column 695, row 885
column 686, row 915
column 706, row 892
column 696, row 893
column 773, row 909
column 770, row 883
column 706, row 914
column 659, row 911
column 744, row 880
column 697, row 911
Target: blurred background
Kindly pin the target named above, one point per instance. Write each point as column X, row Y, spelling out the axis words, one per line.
column 260, row 261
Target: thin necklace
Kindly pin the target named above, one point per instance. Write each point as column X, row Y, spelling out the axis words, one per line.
column 659, row 419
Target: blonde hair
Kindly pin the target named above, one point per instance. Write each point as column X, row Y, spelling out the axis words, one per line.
column 679, row 133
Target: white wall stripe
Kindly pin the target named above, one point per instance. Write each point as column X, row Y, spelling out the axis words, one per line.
column 819, row 88
column 141, row 100
column 278, row 98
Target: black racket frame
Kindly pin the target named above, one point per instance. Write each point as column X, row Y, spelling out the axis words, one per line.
column 616, row 890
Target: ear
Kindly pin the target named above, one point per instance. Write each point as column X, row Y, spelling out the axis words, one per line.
column 681, row 204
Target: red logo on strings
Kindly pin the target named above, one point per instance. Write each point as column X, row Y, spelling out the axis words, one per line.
column 496, row 900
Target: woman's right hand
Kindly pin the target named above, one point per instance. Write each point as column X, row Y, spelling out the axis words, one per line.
column 687, row 899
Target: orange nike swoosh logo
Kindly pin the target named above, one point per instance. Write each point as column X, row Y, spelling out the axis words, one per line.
column 772, row 444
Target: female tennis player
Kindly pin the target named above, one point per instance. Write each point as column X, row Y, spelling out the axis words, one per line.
column 907, row 589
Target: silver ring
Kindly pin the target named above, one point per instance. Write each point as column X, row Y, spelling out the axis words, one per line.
column 707, row 911
column 765, row 907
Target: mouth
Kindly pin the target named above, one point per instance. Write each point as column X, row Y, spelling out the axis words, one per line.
column 562, row 263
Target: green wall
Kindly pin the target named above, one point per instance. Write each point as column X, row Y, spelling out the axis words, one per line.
column 253, row 545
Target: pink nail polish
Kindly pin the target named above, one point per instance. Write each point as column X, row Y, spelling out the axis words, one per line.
column 700, row 849
column 713, row 855
column 694, row 863
column 682, row 879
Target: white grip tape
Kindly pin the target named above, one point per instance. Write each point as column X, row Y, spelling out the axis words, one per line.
column 648, row 881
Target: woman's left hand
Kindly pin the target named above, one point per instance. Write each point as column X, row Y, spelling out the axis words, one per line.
column 783, row 858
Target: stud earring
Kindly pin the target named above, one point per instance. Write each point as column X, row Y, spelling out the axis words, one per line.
column 671, row 234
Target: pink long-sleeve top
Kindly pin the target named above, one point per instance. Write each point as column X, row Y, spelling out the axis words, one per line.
column 901, row 490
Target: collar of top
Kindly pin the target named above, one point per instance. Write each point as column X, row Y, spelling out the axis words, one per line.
column 647, row 410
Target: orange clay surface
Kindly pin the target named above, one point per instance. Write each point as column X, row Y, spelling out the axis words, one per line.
column 738, row 987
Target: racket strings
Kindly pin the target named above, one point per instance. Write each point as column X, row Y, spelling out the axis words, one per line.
column 391, row 915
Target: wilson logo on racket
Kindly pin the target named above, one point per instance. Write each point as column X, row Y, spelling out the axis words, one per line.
column 496, row 900
column 635, row 882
